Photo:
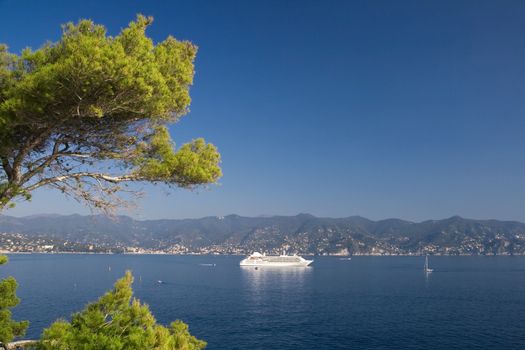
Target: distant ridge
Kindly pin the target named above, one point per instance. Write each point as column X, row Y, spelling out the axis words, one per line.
column 234, row 234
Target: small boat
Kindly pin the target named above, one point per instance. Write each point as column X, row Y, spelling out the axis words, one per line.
column 426, row 268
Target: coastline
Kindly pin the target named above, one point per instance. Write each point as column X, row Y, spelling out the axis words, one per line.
column 241, row 255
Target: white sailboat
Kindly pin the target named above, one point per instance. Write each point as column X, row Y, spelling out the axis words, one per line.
column 427, row 269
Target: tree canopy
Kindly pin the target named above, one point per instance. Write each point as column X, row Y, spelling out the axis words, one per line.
column 90, row 112
column 9, row 329
column 118, row 321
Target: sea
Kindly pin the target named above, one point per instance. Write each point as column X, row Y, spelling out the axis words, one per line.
column 358, row 303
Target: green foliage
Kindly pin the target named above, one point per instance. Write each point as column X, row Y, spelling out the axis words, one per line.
column 193, row 163
column 9, row 329
column 93, row 101
column 117, row 321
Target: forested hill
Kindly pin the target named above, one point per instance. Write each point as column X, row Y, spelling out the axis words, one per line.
column 233, row 234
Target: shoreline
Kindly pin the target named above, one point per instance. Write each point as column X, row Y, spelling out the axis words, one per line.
column 205, row 254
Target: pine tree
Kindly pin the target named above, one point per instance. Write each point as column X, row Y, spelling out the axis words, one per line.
column 9, row 329
column 118, row 321
column 90, row 113
column 86, row 115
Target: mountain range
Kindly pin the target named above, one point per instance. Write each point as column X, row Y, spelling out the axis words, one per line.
column 233, row 234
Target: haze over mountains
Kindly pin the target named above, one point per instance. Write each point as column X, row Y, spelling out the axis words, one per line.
column 233, row 234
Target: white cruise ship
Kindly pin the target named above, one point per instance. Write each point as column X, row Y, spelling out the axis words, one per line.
column 258, row 259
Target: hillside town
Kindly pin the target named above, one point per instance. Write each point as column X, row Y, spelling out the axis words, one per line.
column 297, row 243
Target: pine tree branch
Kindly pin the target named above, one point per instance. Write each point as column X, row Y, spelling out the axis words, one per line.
column 78, row 176
column 20, row 344
column 7, row 167
column 28, row 147
column 46, row 161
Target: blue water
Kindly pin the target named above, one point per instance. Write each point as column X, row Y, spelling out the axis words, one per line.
column 365, row 303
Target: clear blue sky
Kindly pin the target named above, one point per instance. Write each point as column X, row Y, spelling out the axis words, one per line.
column 410, row 109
